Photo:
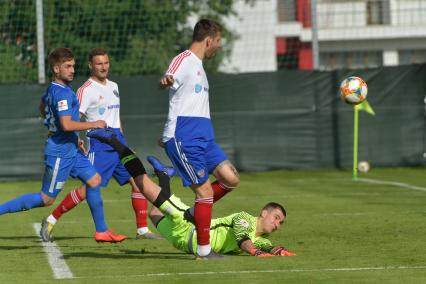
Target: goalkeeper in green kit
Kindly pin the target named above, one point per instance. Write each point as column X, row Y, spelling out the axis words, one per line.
column 231, row 234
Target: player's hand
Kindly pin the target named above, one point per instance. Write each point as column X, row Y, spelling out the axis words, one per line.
column 160, row 142
column 260, row 253
column 282, row 251
column 99, row 124
column 166, row 81
column 82, row 147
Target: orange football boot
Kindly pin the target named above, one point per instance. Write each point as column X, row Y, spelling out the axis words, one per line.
column 109, row 237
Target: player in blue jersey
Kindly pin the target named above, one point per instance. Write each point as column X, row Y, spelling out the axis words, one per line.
column 188, row 135
column 60, row 109
column 99, row 99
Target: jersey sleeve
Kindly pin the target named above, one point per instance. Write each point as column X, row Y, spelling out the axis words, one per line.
column 63, row 103
column 243, row 227
column 84, row 99
column 178, row 69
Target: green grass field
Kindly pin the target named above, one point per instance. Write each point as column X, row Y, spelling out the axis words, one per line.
column 343, row 232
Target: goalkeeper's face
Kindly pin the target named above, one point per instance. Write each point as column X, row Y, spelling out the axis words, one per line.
column 271, row 220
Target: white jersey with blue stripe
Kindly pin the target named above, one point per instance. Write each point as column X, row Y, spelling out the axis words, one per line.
column 189, row 111
column 100, row 102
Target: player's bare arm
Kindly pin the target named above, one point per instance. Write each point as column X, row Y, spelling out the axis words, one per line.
column 166, row 81
column 41, row 110
column 67, row 124
column 250, row 248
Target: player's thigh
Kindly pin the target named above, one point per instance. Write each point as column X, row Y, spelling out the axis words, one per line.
column 56, row 172
column 189, row 160
column 177, row 233
column 84, row 170
column 105, row 163
column 221, row 167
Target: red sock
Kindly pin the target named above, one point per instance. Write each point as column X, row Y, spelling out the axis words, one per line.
column 219, row 190
column 140, row 205
column 203, row 218
column 69, row 202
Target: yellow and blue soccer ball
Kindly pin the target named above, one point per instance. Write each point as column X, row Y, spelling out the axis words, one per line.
column 353, row 90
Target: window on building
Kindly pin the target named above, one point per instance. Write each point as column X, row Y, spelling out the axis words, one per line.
column 350, row 60
column 412, row 57
column 286, row 10
column 378, row 12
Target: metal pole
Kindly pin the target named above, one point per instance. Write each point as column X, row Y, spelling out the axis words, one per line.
column 314, row 28
column 40, row 42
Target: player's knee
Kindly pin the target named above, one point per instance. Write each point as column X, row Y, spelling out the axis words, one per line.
column 82, row 191
column 94, row 181
column 233, row 182
column 47, row 200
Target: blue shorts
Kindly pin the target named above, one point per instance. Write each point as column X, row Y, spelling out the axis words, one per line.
column 194, row 160
column 108, row 165
column 57, row 171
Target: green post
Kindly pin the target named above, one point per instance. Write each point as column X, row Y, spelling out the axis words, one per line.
column 355, row 162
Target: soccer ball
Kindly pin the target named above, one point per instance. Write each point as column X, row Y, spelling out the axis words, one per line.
column 363, row 166
column 353, row 90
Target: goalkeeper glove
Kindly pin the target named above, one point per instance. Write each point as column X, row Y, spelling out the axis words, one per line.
column 259, row 253
column 281, row 251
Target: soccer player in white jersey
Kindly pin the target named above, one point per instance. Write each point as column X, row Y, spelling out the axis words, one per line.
column 188, row 136
column 99, row 99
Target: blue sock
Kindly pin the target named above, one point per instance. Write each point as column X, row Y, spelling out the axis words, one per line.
column 22, row 203
column 94, row 199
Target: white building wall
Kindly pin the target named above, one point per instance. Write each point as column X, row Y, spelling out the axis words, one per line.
column 342, row 28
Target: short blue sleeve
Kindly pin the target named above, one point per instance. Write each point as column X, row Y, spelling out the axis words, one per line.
column 63, row 102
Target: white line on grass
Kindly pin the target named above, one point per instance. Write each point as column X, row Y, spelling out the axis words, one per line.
column 394, row 183
column 55, row 258
column 343, row 269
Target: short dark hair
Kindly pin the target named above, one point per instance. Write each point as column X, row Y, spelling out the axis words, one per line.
column 274, row 205
column 58, row 56
column 204, row 28
column 95, row 52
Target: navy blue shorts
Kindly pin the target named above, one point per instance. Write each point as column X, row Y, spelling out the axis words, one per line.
column 108, row 165
column 194, row 160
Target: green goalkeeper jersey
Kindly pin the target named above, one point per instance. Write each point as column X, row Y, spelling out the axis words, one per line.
column 228, row 232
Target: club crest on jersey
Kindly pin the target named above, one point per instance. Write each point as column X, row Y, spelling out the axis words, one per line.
column 101, row 110
column 198, row 88
column 201, row 173
column 62, row 105
column 116, row 93
column 244, row 223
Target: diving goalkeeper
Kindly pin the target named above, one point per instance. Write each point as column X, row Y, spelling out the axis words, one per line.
column 231, row 234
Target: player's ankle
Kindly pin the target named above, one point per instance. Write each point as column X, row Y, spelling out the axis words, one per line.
column 203, row 250
column 51, row 219
column 142, row 230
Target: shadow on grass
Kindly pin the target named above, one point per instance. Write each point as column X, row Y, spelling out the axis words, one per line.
column 132, row 254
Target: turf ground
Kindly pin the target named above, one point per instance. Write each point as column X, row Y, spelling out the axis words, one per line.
column 343, row 232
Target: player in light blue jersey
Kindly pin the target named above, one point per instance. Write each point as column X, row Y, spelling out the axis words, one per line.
column 60, row 109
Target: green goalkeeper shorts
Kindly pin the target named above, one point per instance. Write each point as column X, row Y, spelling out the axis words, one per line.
column 174, row 227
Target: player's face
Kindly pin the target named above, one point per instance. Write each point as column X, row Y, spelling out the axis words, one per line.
column 213, row 44
column 100, row 67
column 272, row 220
column 64, row 72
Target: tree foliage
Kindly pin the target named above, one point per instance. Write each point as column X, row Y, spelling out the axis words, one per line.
column 141, row 36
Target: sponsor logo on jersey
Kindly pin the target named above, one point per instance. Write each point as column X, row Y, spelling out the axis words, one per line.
column 198, row 88
column 62, row 105
column 116, row 93
column 113, row 106
column 244, row 223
